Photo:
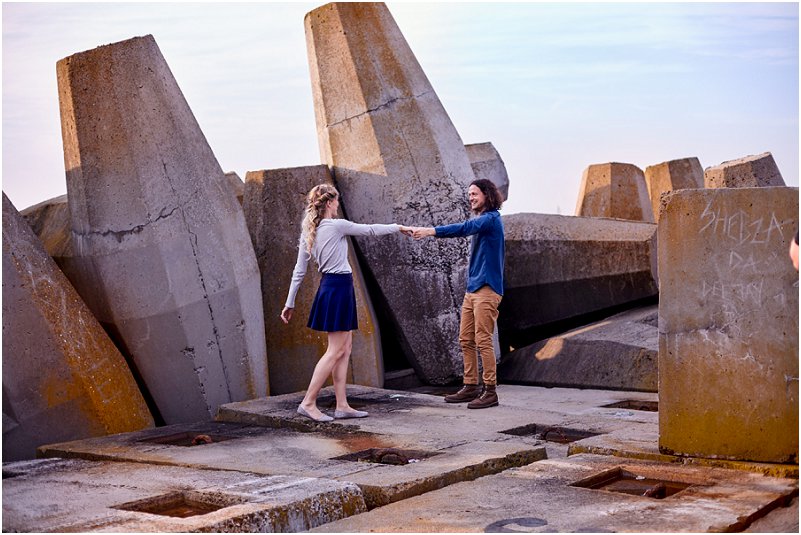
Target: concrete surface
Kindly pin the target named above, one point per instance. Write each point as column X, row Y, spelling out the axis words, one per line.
column 487, row 163
column 748, row 172
column 248, row 448
column 275, row 202
column 236, row 184
column 619, row 352
column 62, row 376
column 165, row 259
column 542, row 497
column 615, row 190
column 563, row 267
column 728, row 324
column 82, row 496
column 661, row 178
column 396, row 158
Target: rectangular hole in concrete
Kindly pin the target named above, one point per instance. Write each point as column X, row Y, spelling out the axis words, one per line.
column 188, row 439
column 387, row 456
column 550, row 433
column 623, row 481
column 177, row 504
column 634, row 405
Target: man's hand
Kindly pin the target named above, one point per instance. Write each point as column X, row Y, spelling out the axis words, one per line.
column 423, row 232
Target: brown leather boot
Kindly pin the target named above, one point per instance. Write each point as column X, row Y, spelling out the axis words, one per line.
column 466, row 393
column 488, row 398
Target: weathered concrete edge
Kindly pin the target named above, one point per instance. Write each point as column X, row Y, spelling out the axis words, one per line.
column 767, row 469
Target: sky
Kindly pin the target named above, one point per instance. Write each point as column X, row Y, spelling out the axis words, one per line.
column 554, row 87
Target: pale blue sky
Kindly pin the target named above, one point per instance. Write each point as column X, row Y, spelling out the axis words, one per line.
column 555, row 87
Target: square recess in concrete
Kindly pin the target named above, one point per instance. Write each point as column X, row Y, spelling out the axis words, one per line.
column 394, row 456
column 626, row 482
column 180, row 504
column 550, row 433
column 634, row 405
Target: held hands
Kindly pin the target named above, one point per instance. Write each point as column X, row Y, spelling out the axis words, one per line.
column 286, row 314
column 417, row 232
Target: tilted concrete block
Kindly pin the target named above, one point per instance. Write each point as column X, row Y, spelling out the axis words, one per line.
column 619, row 352
column 749, row 172
column 396, row 157
column 728, row 324
column 561, row 267
column 274, row 206
column 166, row 262
column 63, row 378
column 487, row 163
column 614, row 190
column 685, row 173
column 236, row 184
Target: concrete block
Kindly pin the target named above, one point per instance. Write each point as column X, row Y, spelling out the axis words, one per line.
column 614, row 190
column 728, row 324
column 487, row 163
column 619, row 352
column 669, row 176
column 236, row 184
column 274, row 204
column 749, row 172
column 72, row 495
column 62, row 376
column 395, row 157
column 544, row 497
column 561, row 267
column 165, row 259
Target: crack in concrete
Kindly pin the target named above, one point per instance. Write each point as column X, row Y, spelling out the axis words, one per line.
column 381, row 106
column 193, row 242
column 120, row 234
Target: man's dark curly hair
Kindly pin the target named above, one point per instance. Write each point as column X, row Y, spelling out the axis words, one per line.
column 494, row 199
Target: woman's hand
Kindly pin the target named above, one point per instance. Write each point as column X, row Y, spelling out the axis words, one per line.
column 407, row 231
column 286, row 314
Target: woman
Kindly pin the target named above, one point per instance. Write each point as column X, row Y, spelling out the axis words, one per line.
column 334, row 308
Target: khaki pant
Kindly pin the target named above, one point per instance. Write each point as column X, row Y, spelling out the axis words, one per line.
column 479, row 312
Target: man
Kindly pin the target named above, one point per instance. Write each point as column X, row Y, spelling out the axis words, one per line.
column 484, row 290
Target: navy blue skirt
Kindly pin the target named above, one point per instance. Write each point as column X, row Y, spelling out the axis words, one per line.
column 334, row 306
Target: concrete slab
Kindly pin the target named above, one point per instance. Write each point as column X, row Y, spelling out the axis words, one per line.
column 387, row 138
column 614, row 190
column 274, row 205
column 487, row 163
column 619, row 352
column 335, row 452
column 728, row 324
column 749, row 172
column 564, row 267
column 661, row 178
column 163, row 256
column 542, row 497
column 79, row 496
column 63, row 378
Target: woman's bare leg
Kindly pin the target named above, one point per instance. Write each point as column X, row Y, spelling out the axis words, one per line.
column 340, row 375
column 338, row 348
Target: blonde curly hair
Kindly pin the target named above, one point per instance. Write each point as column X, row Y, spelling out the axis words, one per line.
column 316, row 201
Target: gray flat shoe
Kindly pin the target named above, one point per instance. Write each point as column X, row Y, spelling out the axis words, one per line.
column 304, row 412
column 341, row 415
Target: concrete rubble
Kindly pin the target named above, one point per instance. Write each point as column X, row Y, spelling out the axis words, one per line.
column 615, row 190
column 162, row 253
column 672, row 175
column 748, row 172
column 728, row 324
column 619, row 352
column 563, row 267
column 396, row 157
column 274, row 205
column 62, row 376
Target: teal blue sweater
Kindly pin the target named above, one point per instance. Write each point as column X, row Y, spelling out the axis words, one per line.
column 486, row 249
